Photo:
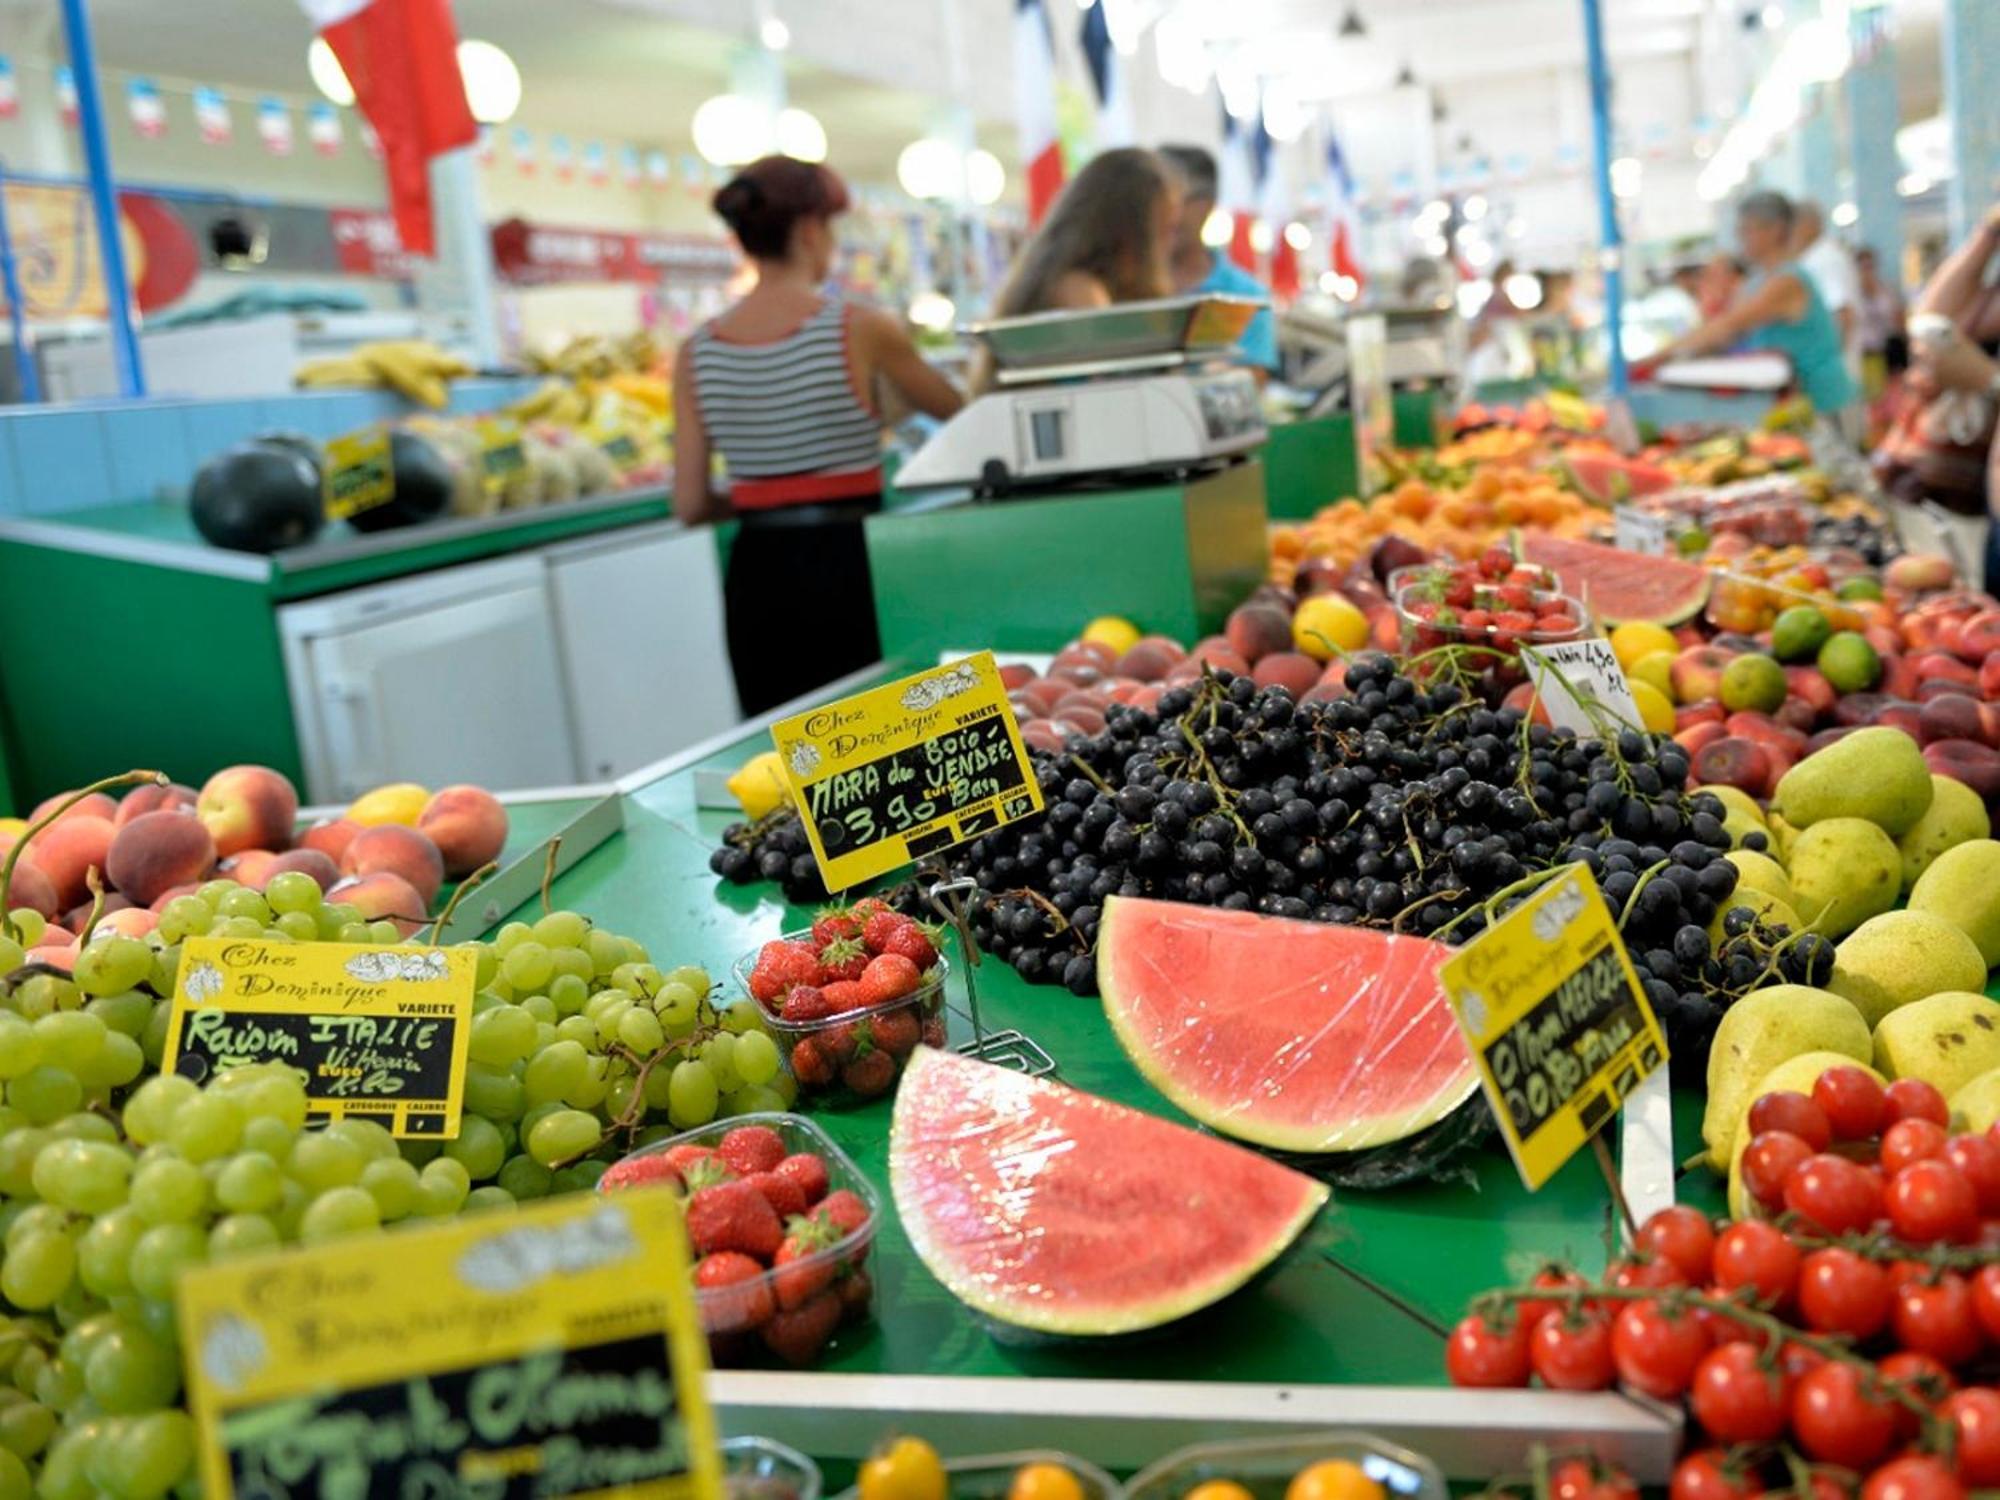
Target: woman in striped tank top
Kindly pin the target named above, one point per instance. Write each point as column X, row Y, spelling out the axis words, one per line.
column 786, row 386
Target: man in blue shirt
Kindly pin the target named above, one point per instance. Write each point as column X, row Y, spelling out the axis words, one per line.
column 1198, row 268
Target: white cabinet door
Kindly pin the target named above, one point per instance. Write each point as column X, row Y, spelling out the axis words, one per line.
column 639, row 625
column 448, row 677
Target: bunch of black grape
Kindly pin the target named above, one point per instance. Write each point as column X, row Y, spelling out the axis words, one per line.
column 773, row 848
column 1875, row 543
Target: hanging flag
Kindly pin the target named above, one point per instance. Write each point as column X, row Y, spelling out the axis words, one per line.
column 694, row 172
column 211, row 116
column 659, row 171
column 66, row 106
column 401, row 57
column 596, row 165
column 1343, row 226
column 1107, row 77
column 274, row 125
column 147, row 109
column 522, row 144
column 561, row 161
column 10, row 93
column 484, row 147
column 323, row 127
column 1035, row 106
column 630, row 172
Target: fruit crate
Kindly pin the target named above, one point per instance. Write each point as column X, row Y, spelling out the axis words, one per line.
column 1266, row 1466
column 988, row 1476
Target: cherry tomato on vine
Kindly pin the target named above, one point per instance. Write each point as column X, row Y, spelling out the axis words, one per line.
column 1571, row 1479
column 1931, row 1201
column 1737, row 1397
column 1936, row 1318
column 1986, row 1300
column 1682, row 1235
column 1614, row 1484
column 1480, row 1353
column 1642, row 1272
column 1977, row 1414
column 1768, row 1161
column 1834, row 1193
column 1826, row 1486
column 1548, row 1277
column 1978, row 1158
column 1853, row 1101
column 1916, row 1477
column 1781, row 1109
column 1913, row 1099
column 1921, row 1376
column 1572, row 1351
column 1837, row 1421
column 1911, row 1140
column 1841, row 1292
column 1712, row 1474
column 1756, row 1255
column 1656, row 1347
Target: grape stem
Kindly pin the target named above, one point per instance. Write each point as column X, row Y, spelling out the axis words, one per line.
column 444, row 917
column 633, row 1116
column 96, row 907
column 127, row 778
column 549, row 874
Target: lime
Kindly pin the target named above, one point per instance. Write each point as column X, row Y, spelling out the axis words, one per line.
column 1849, row 663
column 1860, row 586
column 1798, row 633
column 1753, row 681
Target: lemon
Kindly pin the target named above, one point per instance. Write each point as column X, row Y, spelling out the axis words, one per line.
column 1640, row 638
column 1120, row 634
column 1656, row 710
column 1656, row 667
column 398, row 802
column 1327, row 623
column 759, row 784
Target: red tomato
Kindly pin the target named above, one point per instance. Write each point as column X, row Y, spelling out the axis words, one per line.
column 1644, row 1271
column 1825, row 1486
column 1936, row 1318
column 1978, row 1158
column 1911, row 1140
column 1841, row 1292
column 1853, row 1102
column 1572, row 1352
column 1986, row 1300
column 1835, row 1420
column 1712, row 1474
column 1784, row 1110
column 1929, row 1201
column 1920, row 1375
column 1768, row 1162
column 1549, row 1276
column 1615, row 1485
column 1913, row 1099
column 1481, row 1354
column 1917, row 1477
column 1756, row 1255
column 1834, row 1193
column 1738, row 1398
column 1682, row 1235
column 1571, row 1479
column 1977, row 1413
column 1656, row 1348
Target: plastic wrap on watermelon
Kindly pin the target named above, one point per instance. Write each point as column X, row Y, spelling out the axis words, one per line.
column 1055, row 1212
column 1297, row 1036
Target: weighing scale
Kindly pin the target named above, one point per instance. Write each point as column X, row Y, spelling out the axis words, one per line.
column 1134, row 389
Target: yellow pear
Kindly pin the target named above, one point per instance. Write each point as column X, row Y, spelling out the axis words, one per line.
column 1767, row 1027
column 1760, row 872
column 1947, row 1040
column 1903, row 956
column 1975, row 1108
column 1957, row 815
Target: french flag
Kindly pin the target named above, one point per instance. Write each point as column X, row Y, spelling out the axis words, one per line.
column 1342, row 216
column 1107, row 77
column 401, row 58
column 1035, row 106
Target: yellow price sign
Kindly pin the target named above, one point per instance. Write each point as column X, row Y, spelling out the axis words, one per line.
column 908, row 769
column 553, row 1351
column 1557, row 1020
column 359, row 474
column 502, row 454
column 379, row 1032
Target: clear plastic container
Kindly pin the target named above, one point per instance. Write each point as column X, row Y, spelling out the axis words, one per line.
column 731, row 1315
column 1266, row 1466
column 755, row 1468
column 838, row 1061
column 990, row 1475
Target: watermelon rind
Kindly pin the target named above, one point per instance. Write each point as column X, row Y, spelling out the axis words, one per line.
column 1619, row 587
column 975, row 1149
column 1190, row 1078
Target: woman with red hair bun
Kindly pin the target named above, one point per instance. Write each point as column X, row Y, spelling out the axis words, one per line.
column 787, row 387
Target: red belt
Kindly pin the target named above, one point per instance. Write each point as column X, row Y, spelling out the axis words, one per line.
column 803, row 489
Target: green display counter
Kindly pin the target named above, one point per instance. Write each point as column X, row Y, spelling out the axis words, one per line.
column 1312, row 463
column 1347, row 1330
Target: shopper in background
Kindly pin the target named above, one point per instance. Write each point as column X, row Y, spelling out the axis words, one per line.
column 1878, row 324
column 1779, row 309
column 786, row 386
column 1198, row 267
column 1719, row 284
column 1827, row 262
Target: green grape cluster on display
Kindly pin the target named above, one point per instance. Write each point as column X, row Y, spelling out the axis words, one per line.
column 115, row 1178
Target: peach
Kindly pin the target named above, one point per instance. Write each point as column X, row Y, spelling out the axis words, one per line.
column 157, row 850
column 1979, row 636
column 400, row 851
column 469, row 825
column 1222, row 656
column 252, row 868
column 1187, row 669
column 1078, row 674
column 1079, row 719
column 1796, row 713
column 159, row 903
column 1258, row 630
column 68, row 849
column 1989, row 723
column 1036, row 734
column 1884, row 639
column 1319, row 575
column 248, row 807
column 1919, row 572
column 1524, row 697
column 383, row 895
column 1701, row 711
column 1014, row 674
column 1749, row 724
column 314, row 862
column 1292, row 670
column 57, row 952
column 1942, row 666
column 145, row 799
column 1969, row 761
column 1733, row 761
column 1899, row 676
column 330, row 836
column 1904, row 716
column 1150, row 660
column 1950, row 716
column 1697, row 673
column 32, row 889
column 1857, row 709
column 96, row 805
column 1989, row 677
column 1086, row 653
column 1827, row 736
column 1810, row 684
column 1701, row 732
column 75, row 918
column 1147, row 698
column 130, row 921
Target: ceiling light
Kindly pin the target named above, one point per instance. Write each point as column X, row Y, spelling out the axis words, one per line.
column 1180, row 54
column 1219, row 228
column 1625, row 174
column 1261, row 238
column 928, row 169
column 1351, row 24
column 1473, row 209
column 800, row 136
column 985, row 178
column 492, row 82
column 774, row 34
column 1845, row 214
column 327, row 74
column 1524, row 290
column 1298, row 236
column 1913, row 185
column 1346, row 288
column 730, row 130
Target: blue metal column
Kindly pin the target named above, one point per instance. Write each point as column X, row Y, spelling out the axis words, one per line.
column 1871, row 135
column 1972, row 104
column 104, row 200
column 17, row 312
column 1613, row 252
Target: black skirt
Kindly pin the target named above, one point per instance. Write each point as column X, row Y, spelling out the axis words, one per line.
column 799, row 603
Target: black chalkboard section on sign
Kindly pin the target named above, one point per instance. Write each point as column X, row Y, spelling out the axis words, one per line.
column 916, row 787
column 1544, row 1059
column 388, row 1059
column 552, row 1423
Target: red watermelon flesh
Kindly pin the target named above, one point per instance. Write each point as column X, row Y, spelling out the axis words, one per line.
column 1619, row 586
column 1300, row 1036
column 1055, row 1210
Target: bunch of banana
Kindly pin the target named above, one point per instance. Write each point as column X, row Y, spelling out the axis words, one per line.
column 416, row 368
column 554, row 400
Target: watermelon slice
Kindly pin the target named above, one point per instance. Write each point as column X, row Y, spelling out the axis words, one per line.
column 1295, row 1035
column 1057, row 1211
column 1619, row 586
column 1607, row 479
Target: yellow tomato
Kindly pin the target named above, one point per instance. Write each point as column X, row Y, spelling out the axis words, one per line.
column 1638, row 639
column 398, row 802
column 1656, row 711
column 908, row 1469
column 1218, row 1489
column 1334, row 1479
column 1326, row 623
column 1044, row 1482
column 1119, row 634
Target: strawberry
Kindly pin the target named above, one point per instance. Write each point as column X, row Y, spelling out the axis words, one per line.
column 934, row 1031
column 1515, row 620
column 782, row 963
column 889, row 976
column 638, row 1171
column 883, row 926
column 1496, row 562
column 843, row 958
column 843, row 1210
column 786, row 1197
column 915, row 943
column 856, row 1292
column 1459, row 593
column 841, row 1042
column 870, row 1074
column 867, row 909
column 733, row 1216
column 733, row 1292
column 801, row 1270
column 797, row 1336
column 844, row 995
column 750, row 1149
column 806, row 1002
column 807, row 1171
column 810, row 1063
column 1516, row 596
column 831, row 923
column 705, row 1172
column 896, row 1031
column 680, row 1158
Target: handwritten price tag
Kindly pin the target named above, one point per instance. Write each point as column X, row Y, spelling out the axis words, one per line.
column 550, row 1351
column 901, row 771
column 1583, row 687
column 1637, row 530
column 379, row 1033
column 1556, row 1019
